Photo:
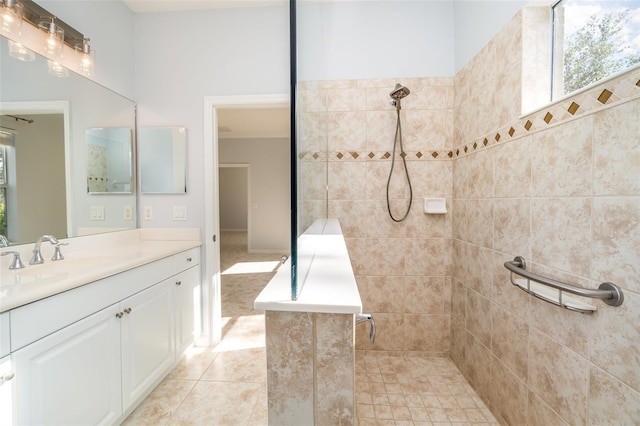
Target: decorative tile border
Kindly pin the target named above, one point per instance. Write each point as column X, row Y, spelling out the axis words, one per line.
column 620, row 89
column 373, row 155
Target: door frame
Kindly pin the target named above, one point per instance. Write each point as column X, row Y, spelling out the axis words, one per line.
column 211, row 295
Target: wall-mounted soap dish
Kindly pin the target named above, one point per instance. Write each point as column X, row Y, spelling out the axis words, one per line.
column 435, row 206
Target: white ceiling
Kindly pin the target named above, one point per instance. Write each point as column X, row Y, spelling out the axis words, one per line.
column 253, row 123
column 147, row 6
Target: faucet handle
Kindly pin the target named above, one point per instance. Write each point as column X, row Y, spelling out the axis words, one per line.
column 36, row 259
column 57, row 255
column 17, row 262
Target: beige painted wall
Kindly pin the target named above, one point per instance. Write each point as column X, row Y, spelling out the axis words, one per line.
column 39, row 178
column 234, row 193
column 270, row 209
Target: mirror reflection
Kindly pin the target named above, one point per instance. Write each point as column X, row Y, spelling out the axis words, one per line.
column 76, row 104
column 110, row 167
column 163, row 158
column 33, row 148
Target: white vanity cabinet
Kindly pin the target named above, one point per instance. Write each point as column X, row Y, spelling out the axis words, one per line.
column 6, row 372
column 148, row 345
column 187, row 298
column 6, row 391
column 5, row 332
column 73, row 376
column 77, row 366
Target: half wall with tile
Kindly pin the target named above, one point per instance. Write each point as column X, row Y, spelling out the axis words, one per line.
column 310, row 368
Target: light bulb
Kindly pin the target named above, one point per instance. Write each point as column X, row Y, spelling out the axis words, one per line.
column 86, row 59
column 11, row 15
column 18, row 51
column 56, row 69
column 52, row 39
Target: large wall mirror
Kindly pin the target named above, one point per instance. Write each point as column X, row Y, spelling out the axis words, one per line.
column 163, row 160
column 44, row 117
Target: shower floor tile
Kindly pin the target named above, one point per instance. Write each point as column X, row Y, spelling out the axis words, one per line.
column 394, row 390
column 226, row 385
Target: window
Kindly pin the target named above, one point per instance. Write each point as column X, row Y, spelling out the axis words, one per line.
column 593, row 39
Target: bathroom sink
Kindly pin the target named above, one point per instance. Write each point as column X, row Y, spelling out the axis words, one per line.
column 50, row 271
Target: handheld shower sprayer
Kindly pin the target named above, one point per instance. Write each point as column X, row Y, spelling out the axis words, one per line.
column 398, row 93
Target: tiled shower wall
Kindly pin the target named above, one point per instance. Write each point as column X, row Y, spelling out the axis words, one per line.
column 560, row 187
column 402, row 269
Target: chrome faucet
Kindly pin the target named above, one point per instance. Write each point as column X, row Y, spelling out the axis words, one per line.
column 4, row 242
column 37, row 256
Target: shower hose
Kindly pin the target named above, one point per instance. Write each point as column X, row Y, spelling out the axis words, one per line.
column 403, row 155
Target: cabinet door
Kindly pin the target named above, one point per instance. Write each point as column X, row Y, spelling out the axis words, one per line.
column 148, row 347
column 187, row 307
column 6, row 391
column 71, row 377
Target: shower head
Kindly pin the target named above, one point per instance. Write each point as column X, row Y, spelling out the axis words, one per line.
column 399, row 92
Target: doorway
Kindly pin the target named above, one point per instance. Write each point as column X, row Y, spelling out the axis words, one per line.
column 235, row 197
column 211, row 290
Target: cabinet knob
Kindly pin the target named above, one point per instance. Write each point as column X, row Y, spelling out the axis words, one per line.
column 189, row 259
column 127, row 311
column 178, row 282
column 7, row 377
column 119, row 315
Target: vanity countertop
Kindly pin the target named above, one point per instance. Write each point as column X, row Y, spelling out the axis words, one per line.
column 327, row 279
column 87, row 259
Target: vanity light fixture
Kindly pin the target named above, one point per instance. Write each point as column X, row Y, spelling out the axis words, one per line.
column 11, row 19
column 86, row 58
column 64, row 46
column 18, row 51
column 57, row 70
column 11, row 15
column 52, row 39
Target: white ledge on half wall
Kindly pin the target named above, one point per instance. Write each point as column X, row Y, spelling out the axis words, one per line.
column 325, row 276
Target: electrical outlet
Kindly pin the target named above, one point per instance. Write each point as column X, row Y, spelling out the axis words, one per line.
column 97, row 212
column 179, row 213
column 148, row 213
column 128, row 213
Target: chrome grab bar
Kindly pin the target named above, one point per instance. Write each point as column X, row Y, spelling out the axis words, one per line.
column 608, row 292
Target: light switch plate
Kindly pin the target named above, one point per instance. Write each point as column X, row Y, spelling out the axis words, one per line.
column 148, row 213
column 128, row 213
column 179, row 213
column 97, row 212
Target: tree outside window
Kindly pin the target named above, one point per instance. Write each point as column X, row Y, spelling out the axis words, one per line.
column 593, row 40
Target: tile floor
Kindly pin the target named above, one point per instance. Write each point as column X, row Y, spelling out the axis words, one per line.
column 226, row 385
column 392, row 390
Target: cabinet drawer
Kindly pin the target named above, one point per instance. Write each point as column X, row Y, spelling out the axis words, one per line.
column 36, row 320
column 185, row 260
column 5, row 333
